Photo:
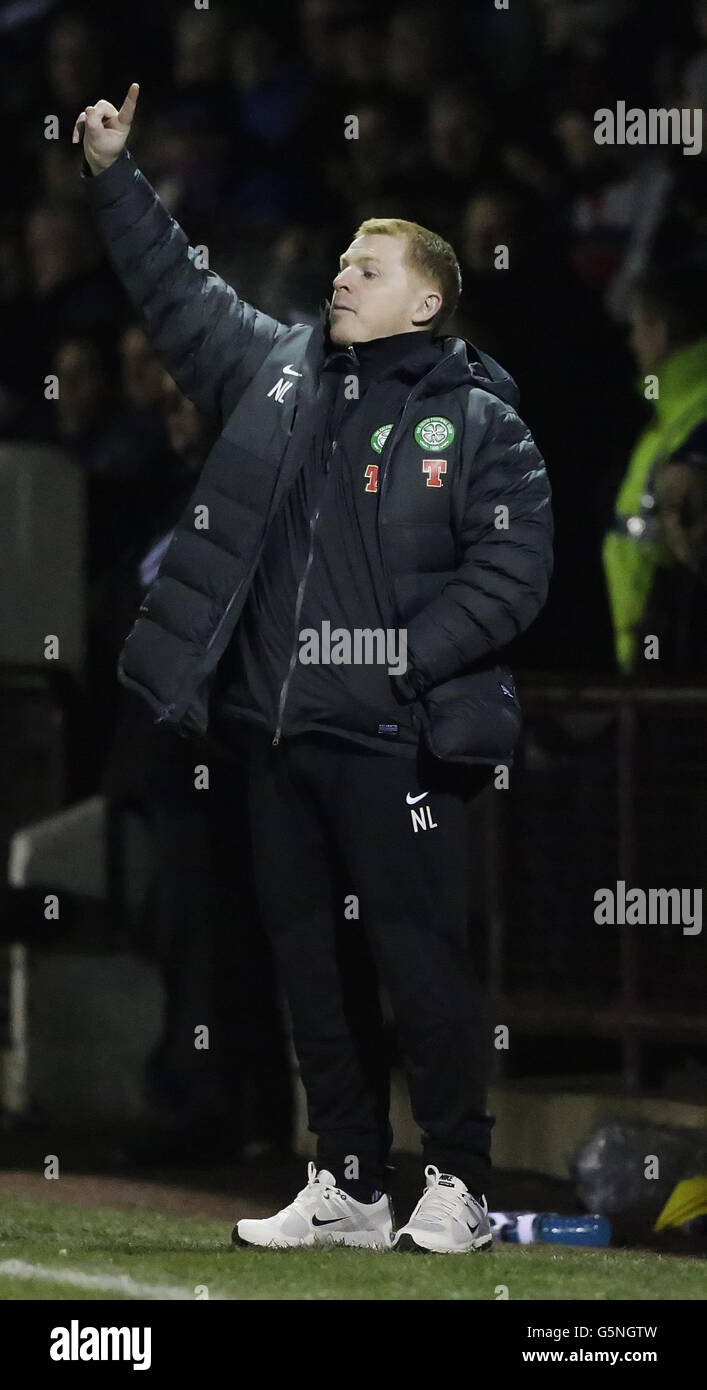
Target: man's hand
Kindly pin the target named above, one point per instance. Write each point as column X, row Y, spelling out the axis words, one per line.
column 105, row 130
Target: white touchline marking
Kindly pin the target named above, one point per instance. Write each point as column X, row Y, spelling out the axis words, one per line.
column 105, row 1283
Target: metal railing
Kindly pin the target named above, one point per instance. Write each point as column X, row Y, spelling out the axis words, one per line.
column 609, row 786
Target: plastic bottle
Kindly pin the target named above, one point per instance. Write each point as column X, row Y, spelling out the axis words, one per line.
column 549, row 1228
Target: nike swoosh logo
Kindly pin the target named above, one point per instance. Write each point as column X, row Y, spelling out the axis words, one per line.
column 290, row 371
column 331, row 1221
column 412, row 799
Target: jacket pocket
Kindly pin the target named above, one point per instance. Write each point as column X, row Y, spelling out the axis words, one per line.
column 473, row 718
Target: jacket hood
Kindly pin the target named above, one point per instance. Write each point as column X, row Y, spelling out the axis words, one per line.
column 463, row 364
column 489, row 375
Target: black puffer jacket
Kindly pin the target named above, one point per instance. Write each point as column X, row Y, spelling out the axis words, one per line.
column 463, row 580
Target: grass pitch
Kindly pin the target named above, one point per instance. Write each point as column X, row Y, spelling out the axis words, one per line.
column 52, row 1252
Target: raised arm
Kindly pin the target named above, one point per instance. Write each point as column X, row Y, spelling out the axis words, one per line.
column 210, row 340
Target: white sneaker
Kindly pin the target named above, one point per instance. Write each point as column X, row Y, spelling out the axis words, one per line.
column 447, row 1219
column 321, row 1214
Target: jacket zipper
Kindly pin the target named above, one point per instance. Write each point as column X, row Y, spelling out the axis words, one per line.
column 300, row 597
column 298, row 609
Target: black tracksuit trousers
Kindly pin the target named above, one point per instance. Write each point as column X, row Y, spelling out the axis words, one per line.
column 329, row 818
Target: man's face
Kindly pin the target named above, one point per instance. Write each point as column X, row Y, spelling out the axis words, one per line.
column 376, row 294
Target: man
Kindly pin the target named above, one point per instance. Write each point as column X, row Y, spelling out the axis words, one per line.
column 372, row 484
column 669, row 339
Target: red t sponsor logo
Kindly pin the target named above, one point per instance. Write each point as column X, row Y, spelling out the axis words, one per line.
column 372, row 475
column 434, row 468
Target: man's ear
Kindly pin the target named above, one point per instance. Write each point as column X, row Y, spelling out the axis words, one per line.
column 428, row 307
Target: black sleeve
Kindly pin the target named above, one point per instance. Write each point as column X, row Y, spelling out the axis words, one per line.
column 210, row 340
column 502, row 582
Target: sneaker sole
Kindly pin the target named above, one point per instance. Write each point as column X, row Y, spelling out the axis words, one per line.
column 370, row 1240
column 409, row 1246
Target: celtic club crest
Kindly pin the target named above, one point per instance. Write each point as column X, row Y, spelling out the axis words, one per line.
column 435, row 433
column 379, row 437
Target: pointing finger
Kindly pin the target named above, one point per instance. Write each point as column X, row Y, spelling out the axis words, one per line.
column 127, row 110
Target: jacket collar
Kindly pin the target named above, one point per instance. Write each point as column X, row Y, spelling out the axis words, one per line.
column 462, row 364
column 449, row 371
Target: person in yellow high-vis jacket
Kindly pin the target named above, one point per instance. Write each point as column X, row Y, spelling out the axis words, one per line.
column 669, row 339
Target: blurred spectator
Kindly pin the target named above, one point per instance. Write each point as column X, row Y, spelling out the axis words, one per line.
column 120, row 447
column 358, row 61
column 458, row 152
column 681, row 504
column 694, row 78
column 108, row 440
column 616, row 199
column 669, row 338
column 593, row 49
column 57, row 172
column 59, row 246
column 418, row 50
column 86, row 395
column 683, row 215
column 366, row 172
column 319, row 30
column 142, row 374
column 74, row 62
column 272, row 175
column 292, row 288
column 189, row 161
column 676, row 611
column 72, row 288
column 537, row 318
column 271, row 91
column 200, row 48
